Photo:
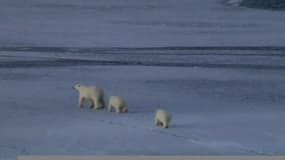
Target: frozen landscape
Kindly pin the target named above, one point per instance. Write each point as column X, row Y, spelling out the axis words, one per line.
column 225, row 100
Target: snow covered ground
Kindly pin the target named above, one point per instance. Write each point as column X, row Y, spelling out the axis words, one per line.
column 226, row 108
column 129, row 23
column 224, row 100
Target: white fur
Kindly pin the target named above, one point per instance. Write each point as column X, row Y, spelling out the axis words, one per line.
column 162, row 118
column 91, row 93
column 117, row 103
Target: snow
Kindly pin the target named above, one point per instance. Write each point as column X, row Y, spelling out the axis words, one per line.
column 221, row 110
column 143, row 23
column 224, row 101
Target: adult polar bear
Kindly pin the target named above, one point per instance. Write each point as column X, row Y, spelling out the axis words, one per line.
column 91, row 93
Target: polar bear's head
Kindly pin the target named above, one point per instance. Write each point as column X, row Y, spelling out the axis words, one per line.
column 77, row 86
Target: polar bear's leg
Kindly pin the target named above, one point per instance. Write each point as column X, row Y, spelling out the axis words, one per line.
column 110, row 107
column 158, row 123
column 164, row 124
column 125, row 110
column 118, row 109
column 96, row 103
column 91, row 103
column 81, row 101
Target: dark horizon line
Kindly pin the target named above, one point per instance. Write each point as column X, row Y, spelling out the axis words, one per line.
column 73, row 49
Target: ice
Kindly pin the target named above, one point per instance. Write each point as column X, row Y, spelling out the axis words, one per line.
column 234, row 3
column 143, row 23
column 205, row 62
column 221, row 110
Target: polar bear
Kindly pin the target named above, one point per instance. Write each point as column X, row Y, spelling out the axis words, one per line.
column 117, row 103
column 92, row 93
column 162, row 118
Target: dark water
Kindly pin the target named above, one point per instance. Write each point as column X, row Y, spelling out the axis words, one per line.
column 265, row 4
column 272, row 58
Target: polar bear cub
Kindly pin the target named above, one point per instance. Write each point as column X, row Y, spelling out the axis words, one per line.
column 162, row 118
column 118, row 104
column 92, row 93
